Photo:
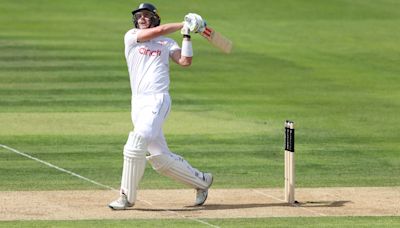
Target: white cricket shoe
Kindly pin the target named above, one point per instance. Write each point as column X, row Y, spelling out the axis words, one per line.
column 121, row 203
column 201, row 195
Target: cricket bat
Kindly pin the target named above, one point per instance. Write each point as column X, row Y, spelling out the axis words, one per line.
column 218, row 40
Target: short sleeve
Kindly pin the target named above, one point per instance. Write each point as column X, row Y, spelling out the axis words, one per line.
column 130, row 38
column 173, row 46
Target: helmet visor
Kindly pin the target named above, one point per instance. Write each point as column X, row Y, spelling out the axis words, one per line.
column 143, row 13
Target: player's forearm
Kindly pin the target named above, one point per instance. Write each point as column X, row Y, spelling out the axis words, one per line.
column 169, row 28
column 186, row 53
column 185, row 61
column 148, row 34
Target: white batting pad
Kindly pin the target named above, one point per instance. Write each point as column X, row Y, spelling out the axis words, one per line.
column 179, row 169
column 132, row 173
column 136, row 146
column 134, row 165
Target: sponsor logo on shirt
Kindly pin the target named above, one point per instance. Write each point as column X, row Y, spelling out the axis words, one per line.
column 148, row 52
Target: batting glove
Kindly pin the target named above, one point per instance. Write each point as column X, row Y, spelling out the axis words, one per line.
column 185, row 29
column 195, row 22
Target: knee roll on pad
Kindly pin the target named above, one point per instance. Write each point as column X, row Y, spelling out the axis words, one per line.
column 136, row 146
column 160, row 162
column 179, row 169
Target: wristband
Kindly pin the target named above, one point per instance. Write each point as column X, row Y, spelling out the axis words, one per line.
column 186, row 36
column 187, row 49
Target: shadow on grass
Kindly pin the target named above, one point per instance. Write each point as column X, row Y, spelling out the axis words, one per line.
column 251, row 205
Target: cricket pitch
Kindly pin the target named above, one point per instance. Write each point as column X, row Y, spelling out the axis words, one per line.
column 222, row 203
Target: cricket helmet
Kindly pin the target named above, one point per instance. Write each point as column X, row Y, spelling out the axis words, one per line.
column 155, row 19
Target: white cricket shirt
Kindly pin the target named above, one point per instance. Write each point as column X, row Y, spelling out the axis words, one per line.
column 148, row 63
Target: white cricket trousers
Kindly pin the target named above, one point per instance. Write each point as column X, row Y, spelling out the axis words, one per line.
column 148, row 115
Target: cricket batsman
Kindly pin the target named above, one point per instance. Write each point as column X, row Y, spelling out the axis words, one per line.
column 147, row 54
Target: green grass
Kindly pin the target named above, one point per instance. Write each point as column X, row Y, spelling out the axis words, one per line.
column 258, row 222
column 331, row 66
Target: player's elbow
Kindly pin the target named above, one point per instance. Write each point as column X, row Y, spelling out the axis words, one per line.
column 185, row 62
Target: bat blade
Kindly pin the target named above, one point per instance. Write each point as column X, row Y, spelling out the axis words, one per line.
column 218, row 40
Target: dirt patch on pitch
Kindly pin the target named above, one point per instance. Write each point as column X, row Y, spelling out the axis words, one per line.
column 222, row 203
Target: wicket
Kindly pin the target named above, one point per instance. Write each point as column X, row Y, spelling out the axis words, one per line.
column 289, row 162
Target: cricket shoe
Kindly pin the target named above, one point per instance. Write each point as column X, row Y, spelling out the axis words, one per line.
column 201, row 194
column 121, row 203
